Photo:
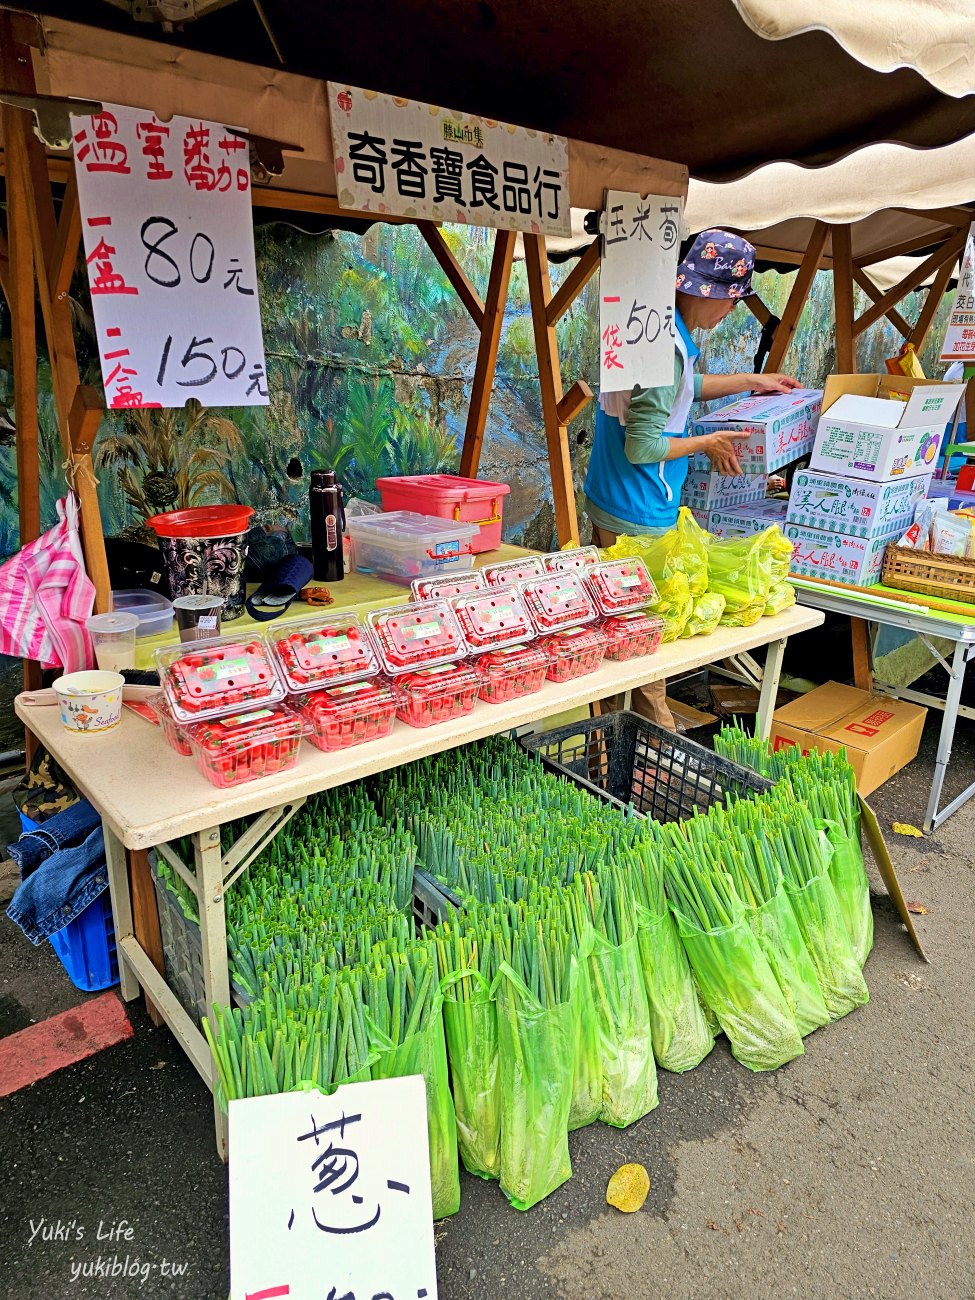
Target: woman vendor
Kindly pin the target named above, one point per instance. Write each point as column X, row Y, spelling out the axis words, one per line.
column 639, row 456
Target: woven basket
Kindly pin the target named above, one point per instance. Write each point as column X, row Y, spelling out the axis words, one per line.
column 947, row 576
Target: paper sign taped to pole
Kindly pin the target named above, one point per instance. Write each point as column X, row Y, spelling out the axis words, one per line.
column 169, row 243
column 959, row 344
column 330, row 1195
column 637, row 271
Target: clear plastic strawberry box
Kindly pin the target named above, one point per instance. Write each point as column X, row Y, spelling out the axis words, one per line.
column 208, row 679
column 321, row 651
column 573, row 652
column 503, row 575
column 577, row 557
column 558, row 600
column 246, row 746
column 629, row 636
column 436, row 694
column 448, row 585
column 414, row 636
column 620, row 585
column 510, row 673
column 493, row 618
column 350, row 714
column 176, row 737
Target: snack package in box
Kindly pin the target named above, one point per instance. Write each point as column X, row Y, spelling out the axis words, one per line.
column 558, row 600
column 436, row 694
column 618, row 586
column 576, row 557
column 494, row 618
column 246, row 746
column 448, row 585
column 207, row 679
column 409, row 637
column 175, row 736
column 349, row 714
column 511, row 672
column 573, row 652
column 629, row 636
column 321, row 651
column 502, row 575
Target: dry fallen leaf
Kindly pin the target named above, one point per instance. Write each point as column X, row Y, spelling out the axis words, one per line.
column 905, row 828
column 628, row 1188
column 918, row 908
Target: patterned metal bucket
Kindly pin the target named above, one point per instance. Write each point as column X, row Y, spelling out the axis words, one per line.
column 208, row 566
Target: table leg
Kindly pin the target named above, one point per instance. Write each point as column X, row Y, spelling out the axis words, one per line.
column 956, row 681
column 213, row 934
column 118, row 887
column 770, row 689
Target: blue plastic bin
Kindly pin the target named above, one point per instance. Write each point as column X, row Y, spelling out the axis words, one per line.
column 86, row 945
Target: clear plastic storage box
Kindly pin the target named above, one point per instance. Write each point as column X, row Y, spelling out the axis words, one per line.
column 176, row 737
column 448, row 585
column 411, row 636
column 631, row 635
column 620, row 585
column 558, row 600
column 502, row 575
column 208, row 679
column 325, row 650
column 436, row 694
column 246, row 746
column 340, row 716
column 577, row 557
column 494, row 618
column 402, row 546
column 573, row 652
column 511, row 672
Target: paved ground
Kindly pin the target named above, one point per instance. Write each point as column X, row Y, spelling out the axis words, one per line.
column 849, row 1173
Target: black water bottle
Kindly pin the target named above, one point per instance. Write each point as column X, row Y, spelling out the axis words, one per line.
column 327, row 526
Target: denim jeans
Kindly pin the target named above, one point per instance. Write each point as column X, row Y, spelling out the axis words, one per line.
column 69, row 875
column 61, row 831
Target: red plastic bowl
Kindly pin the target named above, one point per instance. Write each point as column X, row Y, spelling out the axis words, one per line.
column 202, row 521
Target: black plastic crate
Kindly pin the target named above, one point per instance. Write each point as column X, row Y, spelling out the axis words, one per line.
column 623, row 758
column 432, row 901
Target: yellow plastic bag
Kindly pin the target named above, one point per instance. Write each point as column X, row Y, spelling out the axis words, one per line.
column 706, row 614
column 781, row 597
column 660, row 552
column 740, row 569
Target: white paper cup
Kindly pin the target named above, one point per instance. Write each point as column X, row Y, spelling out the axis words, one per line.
column 113, row 636
column 90, row 701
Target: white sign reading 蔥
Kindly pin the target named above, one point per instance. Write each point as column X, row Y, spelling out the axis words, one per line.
column 169, row 242
column 330, row 1196
column 959, row 344
column 414, row 160
column 637, row 270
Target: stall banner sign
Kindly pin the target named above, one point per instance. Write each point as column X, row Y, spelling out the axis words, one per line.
column 637, row 274
column 959, row 343
column 169, row 243
column 409, row 159
column 330, row 1196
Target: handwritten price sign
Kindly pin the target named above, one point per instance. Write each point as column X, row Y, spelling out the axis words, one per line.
column 330, row 1196
column 169, row 243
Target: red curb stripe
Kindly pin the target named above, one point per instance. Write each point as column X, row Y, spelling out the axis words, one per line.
column 64, row 1039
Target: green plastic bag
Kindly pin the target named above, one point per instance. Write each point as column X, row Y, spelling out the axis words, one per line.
column 471, row 1027
column 823, row 928
column 737, row 983
column 740, row 569
column 706, row 615
column 537, row 1048
column 679, row 1030
column 587, row 1074
column 778, row 933
column 426, row 1053
column 629, row 1076
column 849, row 877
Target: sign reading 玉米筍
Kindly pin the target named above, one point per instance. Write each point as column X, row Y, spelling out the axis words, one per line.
column 959, row 344
column 169, row 243
column 409, row 159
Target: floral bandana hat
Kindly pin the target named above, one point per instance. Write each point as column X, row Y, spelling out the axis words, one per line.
column 718, row 265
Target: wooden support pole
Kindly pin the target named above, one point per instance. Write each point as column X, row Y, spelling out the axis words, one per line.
column 67, row 242
column 862, row 669
column 575, row 400
column 453, row 270
column 573, row 284
column 905, row 246
column 550, row 384
column 846, row 355
column 936, row 291
column 5, row 269
column 797, row 298
column 487, row 351
column 758, row 309
column 145, row 918
column 948, row 251
column 874, row 294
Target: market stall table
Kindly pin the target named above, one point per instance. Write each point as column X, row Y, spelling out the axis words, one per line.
column 148, row 797
column 882, row 607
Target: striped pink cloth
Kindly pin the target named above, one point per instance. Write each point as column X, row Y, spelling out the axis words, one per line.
column 46, row 595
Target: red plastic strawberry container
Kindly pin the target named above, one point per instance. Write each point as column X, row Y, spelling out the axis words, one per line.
column 340, row 716
column 436, row 694
column 577, row 557
column 618, row 586
column 511, row 672
column 448, row 585
column 558, row 600
column 246, row 746
column 175, row 736
column 494, row 618
column 322, row 651
column 631, row 635
column 209, row 679
column 503, row 575
column 414, row 636
column 573, row 652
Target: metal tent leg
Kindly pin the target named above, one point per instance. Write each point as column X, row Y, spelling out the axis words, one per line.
column 956, row 680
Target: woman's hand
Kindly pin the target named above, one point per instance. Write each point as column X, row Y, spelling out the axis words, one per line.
column 772, row 383
column 720, row 450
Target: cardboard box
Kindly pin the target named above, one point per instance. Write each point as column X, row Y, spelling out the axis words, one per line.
column 710, row 490
column 866, row 431
column 774, row 430
column 854, row 506
column 747, row 520
column 855, row 561
column 880, row 734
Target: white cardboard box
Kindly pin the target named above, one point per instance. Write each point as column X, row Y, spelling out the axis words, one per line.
column 710, row 490
column 855, row 506
column 855, row 561
column 866, row 431
column 747, row 520
column 774, row 430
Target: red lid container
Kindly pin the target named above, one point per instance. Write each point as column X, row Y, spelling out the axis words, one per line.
column 558, row 600
column 502, row 575
column 416, row 635
column 436, row 694
column 631, row 635
column 489, row 619
column 573, row 652
column 621, row 585
column 246, row 746
column 448, row 585
column 207, row 679
column 175, row 736
column 340, row 716
column 511, row 672
column 331, row 648
column 202, row 521
column 577, row 557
